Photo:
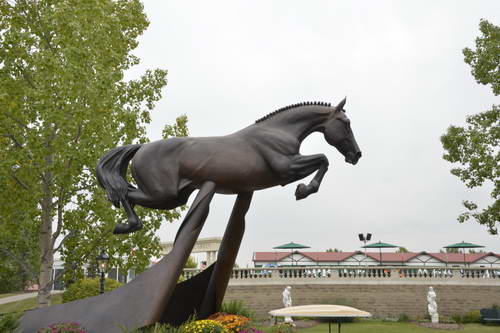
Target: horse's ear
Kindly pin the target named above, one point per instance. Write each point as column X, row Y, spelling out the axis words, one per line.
column 340, row 106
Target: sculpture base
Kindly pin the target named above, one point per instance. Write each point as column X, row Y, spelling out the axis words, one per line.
column 155, row 296
column 435, row 319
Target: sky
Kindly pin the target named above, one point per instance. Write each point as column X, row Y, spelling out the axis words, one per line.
column 399, row 63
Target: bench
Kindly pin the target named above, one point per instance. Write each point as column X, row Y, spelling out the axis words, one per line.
column 490, row 315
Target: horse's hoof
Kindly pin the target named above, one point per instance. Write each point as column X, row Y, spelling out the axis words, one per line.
column 124, row 228
column 301, row 192
column 121, row 228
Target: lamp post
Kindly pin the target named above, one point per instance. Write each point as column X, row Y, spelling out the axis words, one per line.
column 102, row 265
column 365, row 239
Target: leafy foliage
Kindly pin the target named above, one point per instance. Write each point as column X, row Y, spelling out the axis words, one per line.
column 88, row 287
column 475, row 146
column 237, row 307
column 63, row 103
column 485, row 60
column 191, row 263
column 282, row 328
column 10, row 322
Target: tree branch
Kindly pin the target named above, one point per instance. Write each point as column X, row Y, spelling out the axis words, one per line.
column 19, row 122
column 20, row 182
column 13, row 138
column 26, row 76
column 70, row 234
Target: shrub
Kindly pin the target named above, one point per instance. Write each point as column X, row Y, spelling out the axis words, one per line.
column 282, row 328
column 457, row 318
column 204, row 326
column 88, row 287
column 237, row 307
column 404, row 318
column 9, row 322
column 472, row 317
column 251, row 330
column 233, row 323
column 446, row 319
column 63, row 328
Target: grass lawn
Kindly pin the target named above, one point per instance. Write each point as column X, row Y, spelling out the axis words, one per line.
column 372, row 326
column 26, row 304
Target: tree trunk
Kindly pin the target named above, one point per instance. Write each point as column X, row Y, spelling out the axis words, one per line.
column 45, row 240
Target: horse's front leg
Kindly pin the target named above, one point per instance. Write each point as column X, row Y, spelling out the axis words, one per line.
column 303, row 166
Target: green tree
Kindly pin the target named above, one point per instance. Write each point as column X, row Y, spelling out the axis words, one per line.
column 63, row 103
column 475, row 146
column 450, row 250
column 191, row 263
column 402, row 250
column 333, row 250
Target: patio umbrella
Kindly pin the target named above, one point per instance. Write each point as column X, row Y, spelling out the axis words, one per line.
column 379, row 245
column 292, row 246
column 462, row 245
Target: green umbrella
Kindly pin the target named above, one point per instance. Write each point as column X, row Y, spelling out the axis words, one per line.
column 462, row 245
column 292, row 246
column 379, row 245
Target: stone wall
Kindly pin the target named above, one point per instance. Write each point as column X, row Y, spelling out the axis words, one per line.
column 383, row 301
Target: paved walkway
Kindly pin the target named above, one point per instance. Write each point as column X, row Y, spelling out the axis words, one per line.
column 20, row 297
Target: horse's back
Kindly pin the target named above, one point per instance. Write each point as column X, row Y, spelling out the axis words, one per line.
column 235, row 162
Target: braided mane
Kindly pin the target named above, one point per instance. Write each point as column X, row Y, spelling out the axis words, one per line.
column 290, row 107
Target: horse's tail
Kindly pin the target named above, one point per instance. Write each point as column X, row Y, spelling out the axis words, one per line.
column 112, row 171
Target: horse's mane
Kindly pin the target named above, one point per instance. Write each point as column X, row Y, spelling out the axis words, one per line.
column 290, row 107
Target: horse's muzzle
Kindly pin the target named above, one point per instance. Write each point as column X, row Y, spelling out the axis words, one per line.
column 353, row 158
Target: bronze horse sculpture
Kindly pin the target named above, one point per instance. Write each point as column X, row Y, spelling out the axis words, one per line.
column 259, row 156
column 166, row 172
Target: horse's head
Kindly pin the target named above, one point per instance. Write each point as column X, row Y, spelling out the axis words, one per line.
column 338, row 133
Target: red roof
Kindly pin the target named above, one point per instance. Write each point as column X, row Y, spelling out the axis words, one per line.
column 386, row 256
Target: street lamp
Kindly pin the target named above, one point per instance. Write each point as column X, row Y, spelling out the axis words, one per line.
column 365, row 239
column 102, row 265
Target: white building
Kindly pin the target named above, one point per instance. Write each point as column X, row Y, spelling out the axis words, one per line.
column 358, row 258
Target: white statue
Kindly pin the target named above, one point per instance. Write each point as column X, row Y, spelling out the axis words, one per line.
column 432, row 305
column 287, row 301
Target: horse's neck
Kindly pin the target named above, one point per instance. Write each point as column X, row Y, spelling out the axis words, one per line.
column 299, row 123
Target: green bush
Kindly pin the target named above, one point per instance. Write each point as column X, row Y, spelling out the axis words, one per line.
column 237, row 307
column 468, row 318
column 472, row 317
column 404, row 318
column 9, row 322
column 88, row 287
column 282, row 328
column 446, row 319
column 457, row 318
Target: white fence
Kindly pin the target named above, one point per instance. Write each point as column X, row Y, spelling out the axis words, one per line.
column 362, row 274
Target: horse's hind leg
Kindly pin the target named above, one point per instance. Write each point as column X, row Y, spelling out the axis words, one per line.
column 133, row 222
